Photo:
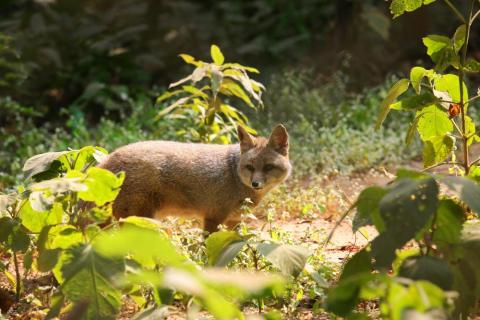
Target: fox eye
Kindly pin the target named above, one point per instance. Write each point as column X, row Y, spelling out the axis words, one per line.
column 250, row 167
column 268, row 167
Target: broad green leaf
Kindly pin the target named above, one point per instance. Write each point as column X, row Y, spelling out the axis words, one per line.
column 219, row 241
column 449, row 223
column 467, row 190
column 437, row 149
column 143, row 222
column 56, row 304
column 416, row 102
column 63, row 237
column 421, row 296
column 459, row 38
column 397, row 89
column 36, row 220
column 343, row 298
column 416, row 76
column 217, row 55
column 440, row 49
column 467, row 274
column 229, row 253
column 118, row 243
column 358, row 264
column 289, row 259
column 368, row 208
column 405, row 209
column 399, row 7
column 435, row 45
column 427, row 268
column 41, row 163
column 433, row 122
column 472, row 65
column 87, row 278
column 102, row 186
column 450, row 83
column 47, row 259
column 18, row 240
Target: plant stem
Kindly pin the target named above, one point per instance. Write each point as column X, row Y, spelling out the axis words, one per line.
column 455, row 10
column 442, row 164
column 18, row 280
column 461, row 72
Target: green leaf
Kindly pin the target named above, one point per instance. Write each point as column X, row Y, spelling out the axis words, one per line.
column 35, row 221
column 411, row 130
column 467, row 190
column 289, row 259
column 415, row 102
column 449, row 223
column 368, row 208
column 41, row 163
column 220, row 241
column 440, row 49
column 472, row 65
column 190, row 60
column 420, row 296
column 435, row 45
column 47, row 259
column 118, row 243
column 232, row 88
column 459, row 38
column 63, row 237
column 416, row 76
column 450, row 83
column 358, row 264
column 405, row 209
column 399, row 7
column 397, row 89
column 343, row 298
column 217, row 55
column 427, row 268
column 437, row 149
column 87, row 279
column 433, row 122
column 18, row 240
column 102, row 186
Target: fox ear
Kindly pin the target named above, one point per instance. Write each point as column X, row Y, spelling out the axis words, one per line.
column 279, row 140
column 247, row 142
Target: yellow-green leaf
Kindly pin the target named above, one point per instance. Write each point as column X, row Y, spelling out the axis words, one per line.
column 217, row 55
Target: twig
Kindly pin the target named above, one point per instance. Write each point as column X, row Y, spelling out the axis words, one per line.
column 17, row 276
column 474, row 98
column 441, row 164
column 338, row 223
column 474, row 16
column 455, row 10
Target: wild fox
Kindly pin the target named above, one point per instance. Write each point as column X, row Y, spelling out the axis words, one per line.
column 210, row 181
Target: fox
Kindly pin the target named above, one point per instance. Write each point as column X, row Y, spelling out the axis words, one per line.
column 209, row 181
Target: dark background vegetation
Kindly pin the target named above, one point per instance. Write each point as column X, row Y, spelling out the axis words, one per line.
column 75, row 72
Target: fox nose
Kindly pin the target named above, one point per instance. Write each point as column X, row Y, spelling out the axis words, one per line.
column 256, row 184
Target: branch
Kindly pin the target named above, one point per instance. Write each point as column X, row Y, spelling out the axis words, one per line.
column 455, row 10
column 474, row 17
column 473, row 98
column 442, row 164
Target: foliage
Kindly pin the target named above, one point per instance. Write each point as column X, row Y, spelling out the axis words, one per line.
column 436, row 279
column 56, row 222
column 209, row 107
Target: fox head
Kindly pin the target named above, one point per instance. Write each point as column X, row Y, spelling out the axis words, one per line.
column 263, row 162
